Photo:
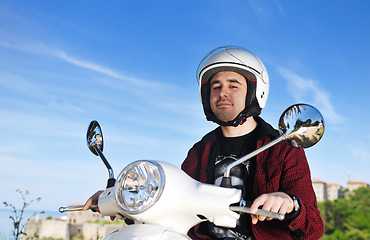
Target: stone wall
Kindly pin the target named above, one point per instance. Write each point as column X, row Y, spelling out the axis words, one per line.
column 54, row 228
column 46, row 228
column 64, row 229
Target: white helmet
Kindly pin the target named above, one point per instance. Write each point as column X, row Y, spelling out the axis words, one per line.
column 242, row 61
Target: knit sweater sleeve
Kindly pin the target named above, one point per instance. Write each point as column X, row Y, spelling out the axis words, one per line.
column 285, row 169
column 197, row 160
column 296, row 180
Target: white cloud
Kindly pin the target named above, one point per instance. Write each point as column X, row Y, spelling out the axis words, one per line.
column 160, row 98
column 91, row 66
column 143, row 84
column 30, row 123
column 280, row 9
column 16, row 82
column 157, row 94
column 264, row 12
column 15, row 42
column 360, row 153
column 5, row 160
column 309, row 90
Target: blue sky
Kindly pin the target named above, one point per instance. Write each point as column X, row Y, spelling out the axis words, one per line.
column 131, row 66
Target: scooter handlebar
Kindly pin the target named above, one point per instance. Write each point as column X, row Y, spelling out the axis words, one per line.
column 76, row 208
column 260, row 212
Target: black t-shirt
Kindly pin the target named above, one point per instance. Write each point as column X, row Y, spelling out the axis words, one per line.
column 227, row 150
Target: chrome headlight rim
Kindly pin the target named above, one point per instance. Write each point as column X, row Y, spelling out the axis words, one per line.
column 121, row 179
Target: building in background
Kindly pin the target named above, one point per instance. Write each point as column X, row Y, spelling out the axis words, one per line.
column 331, row 191
column 320, row 189
column 353, row 185
column 334, row 191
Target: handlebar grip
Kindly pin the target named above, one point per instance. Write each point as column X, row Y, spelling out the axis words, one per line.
column 260, row 212
column 76, row 208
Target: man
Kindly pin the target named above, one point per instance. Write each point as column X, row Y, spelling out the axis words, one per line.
column 234, row 86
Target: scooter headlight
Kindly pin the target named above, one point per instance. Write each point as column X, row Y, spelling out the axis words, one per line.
column 139, row 186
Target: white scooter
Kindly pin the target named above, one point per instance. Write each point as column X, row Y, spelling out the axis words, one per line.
column 164, row 202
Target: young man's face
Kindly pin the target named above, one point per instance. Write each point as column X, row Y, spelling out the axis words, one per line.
column 228, row 91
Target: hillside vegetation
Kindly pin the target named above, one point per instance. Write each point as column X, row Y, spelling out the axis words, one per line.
column 347, row 218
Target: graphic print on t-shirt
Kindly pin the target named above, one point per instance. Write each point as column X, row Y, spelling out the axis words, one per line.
column 237, row 173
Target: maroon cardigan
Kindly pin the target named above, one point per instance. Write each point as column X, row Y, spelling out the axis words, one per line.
column 280, row 168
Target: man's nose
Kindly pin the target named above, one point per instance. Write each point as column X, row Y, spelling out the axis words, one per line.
column 224, row 92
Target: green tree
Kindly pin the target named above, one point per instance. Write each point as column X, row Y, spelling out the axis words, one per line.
column 347, row 218
column 18, row 214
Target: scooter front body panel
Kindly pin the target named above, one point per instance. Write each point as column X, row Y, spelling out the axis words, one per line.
column 145, row 232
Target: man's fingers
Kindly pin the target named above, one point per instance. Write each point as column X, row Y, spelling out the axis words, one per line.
column 93, row 201
column 254, row 219
column 87, row 204
column 258, row 202
column 285, row 207
column 261, row 218
column 277, row 202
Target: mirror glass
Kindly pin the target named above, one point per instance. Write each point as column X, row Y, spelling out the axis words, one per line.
column 303, row 124
column 94, row 137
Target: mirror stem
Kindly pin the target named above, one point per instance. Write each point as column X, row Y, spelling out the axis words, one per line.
column 226, row 180
column 252, row 154
column 110, row 170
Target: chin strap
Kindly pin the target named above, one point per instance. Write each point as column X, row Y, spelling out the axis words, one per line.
column 239, row 120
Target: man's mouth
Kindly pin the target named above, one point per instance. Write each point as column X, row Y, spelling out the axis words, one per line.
column 223, row 103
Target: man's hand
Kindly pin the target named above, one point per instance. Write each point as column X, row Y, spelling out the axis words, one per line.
column 92, row 202
column 278, row 202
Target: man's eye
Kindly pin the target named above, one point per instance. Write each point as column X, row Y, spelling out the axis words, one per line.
column 216, row 87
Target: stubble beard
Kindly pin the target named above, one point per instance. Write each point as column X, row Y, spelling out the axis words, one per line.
column 226, row 113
